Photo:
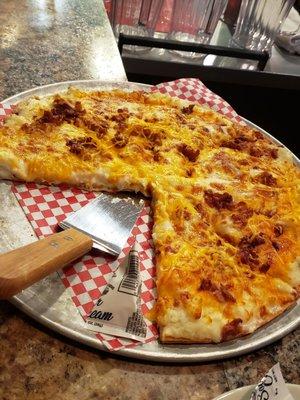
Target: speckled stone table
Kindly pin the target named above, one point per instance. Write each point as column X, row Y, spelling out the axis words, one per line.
column 50, row 41
column 45, row 41
column 37, row 364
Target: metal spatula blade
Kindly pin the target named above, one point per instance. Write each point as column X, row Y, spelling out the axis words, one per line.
column 108, row 220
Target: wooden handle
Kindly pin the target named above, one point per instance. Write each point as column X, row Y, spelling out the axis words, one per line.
column 22, row 267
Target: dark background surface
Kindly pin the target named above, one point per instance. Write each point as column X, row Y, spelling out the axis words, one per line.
column 275, row 110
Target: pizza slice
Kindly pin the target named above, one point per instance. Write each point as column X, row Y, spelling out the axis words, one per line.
column 223, row 268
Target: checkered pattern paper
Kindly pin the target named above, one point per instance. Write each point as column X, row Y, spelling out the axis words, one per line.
column 194, row 90
column 5, row 111
column 45, row 206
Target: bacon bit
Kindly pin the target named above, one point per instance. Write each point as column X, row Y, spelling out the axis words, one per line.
column 257, row 240
column 100, row 128
column 48, row 117
column 186, row 215
column 146, row 131
column 178, row 227
column 189, row 109
column 264, row 151
column 249, row 274
column 189, row 172
column 218, row 200
column 119, row 140
column 219, row 242
column 122, row 110
column 197, row 314
column 137, row 131
column 78, row 106
column 276, row 245
column 153, row 137
column 223, row 295
column 264, row 267
column 170, row 249
column 243, row 130
column 26, row 128
column 121, row 126
column 232, row 329
column 196, row 189
column 266, row 179
column 258, row 135
column 77, row 146
column 249, row 257
column 184, row 297
column 274, row 153
column 256, row 152
column 240, row 142
column 157, row 252
column 181, row 118
column 199, row 208
column 232, row 144
column 263, row 311
column 157, row 156
column 243, row 214
column 278, row 230
column 176, row 303
column 63, row 111
column 269, row 213
column 188, row 152
column 207, row 284
column 252, row 241
column 122, row 115
column 247, row 245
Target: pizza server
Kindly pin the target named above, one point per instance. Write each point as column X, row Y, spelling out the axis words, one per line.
column 104, row 223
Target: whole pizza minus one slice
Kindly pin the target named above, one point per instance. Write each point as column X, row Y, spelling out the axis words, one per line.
column 225, row 199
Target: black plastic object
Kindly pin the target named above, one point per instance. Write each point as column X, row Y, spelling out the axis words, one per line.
column 261, row 57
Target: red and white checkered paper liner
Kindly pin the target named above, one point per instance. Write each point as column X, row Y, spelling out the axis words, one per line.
column 194, row 90
column 45, row 206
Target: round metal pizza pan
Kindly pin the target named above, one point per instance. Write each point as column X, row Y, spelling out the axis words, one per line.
column 49, row 302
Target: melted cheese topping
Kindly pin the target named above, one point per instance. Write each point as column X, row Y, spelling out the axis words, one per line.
column 225, row 198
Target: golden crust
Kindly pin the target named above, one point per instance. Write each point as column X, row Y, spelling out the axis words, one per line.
column 225, row 199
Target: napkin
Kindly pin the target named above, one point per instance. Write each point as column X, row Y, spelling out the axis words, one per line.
column 272, row 386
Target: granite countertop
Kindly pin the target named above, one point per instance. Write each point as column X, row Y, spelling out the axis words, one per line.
column 50, row 41
column 37, row 364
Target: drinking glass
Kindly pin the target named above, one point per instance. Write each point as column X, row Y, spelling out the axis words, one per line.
column 259, row 22
column 135, row 18
column 126, row 17
column 163, row 25
column 195, row 21
column 150, row 14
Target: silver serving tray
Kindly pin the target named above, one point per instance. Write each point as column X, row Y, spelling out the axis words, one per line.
column 49, row 302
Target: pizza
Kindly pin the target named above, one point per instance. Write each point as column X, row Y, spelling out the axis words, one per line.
column 225, row 199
